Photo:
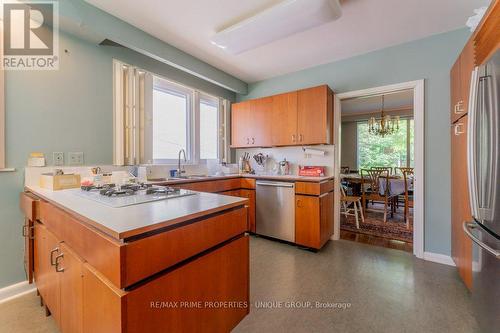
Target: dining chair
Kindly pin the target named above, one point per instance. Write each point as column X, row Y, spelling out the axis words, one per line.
column 402, row 169
column 408, row 179
column 373, row 177
column 346, row 201
column 389, row 169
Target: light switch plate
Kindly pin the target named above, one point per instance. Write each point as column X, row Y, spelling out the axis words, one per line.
column 75, row 158
column 58, row 158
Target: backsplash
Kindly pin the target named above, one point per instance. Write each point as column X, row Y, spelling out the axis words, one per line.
column 295, row 155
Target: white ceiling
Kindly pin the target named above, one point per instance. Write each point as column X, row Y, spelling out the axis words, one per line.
column 365, row 25
column 373, row 104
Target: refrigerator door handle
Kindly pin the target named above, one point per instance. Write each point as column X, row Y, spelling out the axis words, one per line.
column 471, row 142
column 468, row 227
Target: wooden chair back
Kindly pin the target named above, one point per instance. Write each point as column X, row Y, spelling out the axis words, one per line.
column 403, row 169
column 389, row 169
column 408, row 178
column 373, row 176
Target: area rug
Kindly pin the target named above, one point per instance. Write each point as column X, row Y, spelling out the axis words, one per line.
column 394, row 228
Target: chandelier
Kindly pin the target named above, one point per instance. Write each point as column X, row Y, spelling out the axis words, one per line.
column 385, row 125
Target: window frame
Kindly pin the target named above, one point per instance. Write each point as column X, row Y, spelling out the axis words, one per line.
column 162, row 84
column 407, row 125
column 216, row 101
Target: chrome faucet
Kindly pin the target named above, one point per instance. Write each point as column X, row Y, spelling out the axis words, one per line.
column 180, row 169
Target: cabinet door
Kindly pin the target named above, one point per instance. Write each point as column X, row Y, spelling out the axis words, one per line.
column 307, row 221
column 315, row 116
column 467, row 63
column 28, row 234
column 460, row 209
column 250, row 194
column 47, row 247
column 326, row 216
column 70, row 267
column 240, row 117
column 284, row 119
column 456, row 92
column 259, row 124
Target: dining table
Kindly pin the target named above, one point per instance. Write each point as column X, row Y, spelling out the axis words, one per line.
column 396, row 183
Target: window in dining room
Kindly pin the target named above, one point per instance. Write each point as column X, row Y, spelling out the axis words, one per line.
column 395, row 149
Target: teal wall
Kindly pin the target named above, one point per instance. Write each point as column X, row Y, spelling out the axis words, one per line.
column 65, row 110
column 430, row 59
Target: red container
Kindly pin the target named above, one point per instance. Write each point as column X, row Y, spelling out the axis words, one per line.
column 312, row 171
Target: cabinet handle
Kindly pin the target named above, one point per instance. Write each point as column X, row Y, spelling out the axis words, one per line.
column 299, row 203
column 459, row 107
column 300, row 138
column 459, row 129
column 248, row 141
column 253, row 141
column 28, row 232
column 52, row 261
column 59, row 269
column 293, row 137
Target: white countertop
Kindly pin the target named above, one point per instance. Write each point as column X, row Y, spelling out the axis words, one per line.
column 134, row 220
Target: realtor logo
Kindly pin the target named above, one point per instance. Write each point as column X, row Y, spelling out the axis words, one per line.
column 30, row 35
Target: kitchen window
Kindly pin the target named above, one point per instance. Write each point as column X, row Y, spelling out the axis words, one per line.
column 154, row 118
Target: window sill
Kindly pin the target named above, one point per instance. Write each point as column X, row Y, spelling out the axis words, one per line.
column 8, row 170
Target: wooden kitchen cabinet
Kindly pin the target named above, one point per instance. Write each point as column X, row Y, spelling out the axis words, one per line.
column 250, row 195
column 240, row 116
column 461, row 245
column 46, row 249
column 303, row 117
column 29, row 208
column 70, row 267
column 259, row 125
column 313, row 219
column 460, row 78
column 250, row 123
column 315, row 116
column 284, row 119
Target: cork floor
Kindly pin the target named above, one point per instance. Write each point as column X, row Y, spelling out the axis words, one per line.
column 346, row 287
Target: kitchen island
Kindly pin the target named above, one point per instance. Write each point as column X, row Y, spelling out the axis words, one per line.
column 172, row 265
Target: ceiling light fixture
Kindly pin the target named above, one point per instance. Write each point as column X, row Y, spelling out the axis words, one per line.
column 284, row 19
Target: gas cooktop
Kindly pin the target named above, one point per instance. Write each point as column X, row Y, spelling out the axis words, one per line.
column 129, row 194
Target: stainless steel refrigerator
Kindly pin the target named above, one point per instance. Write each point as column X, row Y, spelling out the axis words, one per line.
column 483, row 164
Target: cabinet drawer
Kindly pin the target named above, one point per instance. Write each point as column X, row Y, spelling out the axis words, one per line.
column 28, row 203
column 147, row 256
column 312, row 188
column 212, row 186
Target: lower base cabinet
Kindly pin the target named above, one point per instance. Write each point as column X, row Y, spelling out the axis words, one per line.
column 190, row 298
column 313, row 219
column 59, row 280
column 207, row 293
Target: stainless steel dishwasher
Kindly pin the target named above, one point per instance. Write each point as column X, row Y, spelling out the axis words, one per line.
column 275, row 216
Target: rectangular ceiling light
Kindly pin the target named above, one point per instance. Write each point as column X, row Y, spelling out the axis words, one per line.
column 284, row 19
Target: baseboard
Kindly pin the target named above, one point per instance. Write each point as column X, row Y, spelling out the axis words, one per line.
column 16, row 290
column 439, row 258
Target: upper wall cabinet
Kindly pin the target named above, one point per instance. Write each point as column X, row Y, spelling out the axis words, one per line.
column 250, row 125
column 460, row 77
column 303, row 117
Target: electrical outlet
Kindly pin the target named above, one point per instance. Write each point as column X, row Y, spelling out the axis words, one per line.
column 58, row 158
column 75, row 158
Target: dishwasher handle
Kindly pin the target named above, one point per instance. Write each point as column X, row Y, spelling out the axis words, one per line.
column 275, row 184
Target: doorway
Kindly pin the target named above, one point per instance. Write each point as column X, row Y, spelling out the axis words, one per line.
column 389, row 218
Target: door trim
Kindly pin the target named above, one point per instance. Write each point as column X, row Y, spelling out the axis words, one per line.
column 418, row 87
